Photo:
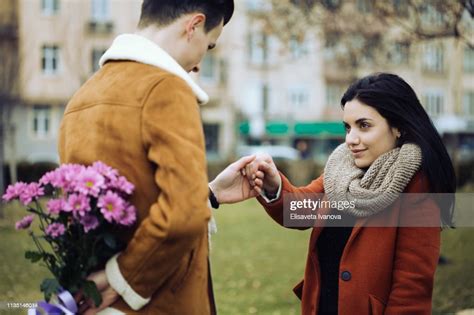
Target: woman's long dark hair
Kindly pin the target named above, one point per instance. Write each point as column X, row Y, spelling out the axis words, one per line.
column 396, row 101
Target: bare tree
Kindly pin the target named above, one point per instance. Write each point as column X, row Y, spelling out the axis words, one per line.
column 368, row 31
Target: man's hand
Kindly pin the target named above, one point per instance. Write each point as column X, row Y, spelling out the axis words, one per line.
column 232, row 186
column 109, row 295
column 262, row 173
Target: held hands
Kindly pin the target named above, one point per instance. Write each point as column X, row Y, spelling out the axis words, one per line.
column 263, row 174
column 231, row 185
column 246, row 178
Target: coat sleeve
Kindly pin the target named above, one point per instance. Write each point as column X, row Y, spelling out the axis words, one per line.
column 275, row 208
column 416, row 256
column 174, row 142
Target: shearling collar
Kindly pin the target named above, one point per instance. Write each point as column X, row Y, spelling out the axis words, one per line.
column 138, row 48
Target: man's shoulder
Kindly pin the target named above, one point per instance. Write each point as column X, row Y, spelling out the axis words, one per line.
column 139, row 72
column 126, row 83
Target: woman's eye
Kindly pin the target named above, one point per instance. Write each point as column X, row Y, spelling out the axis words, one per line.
column 364, row 125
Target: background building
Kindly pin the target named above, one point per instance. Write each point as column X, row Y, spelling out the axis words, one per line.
column 263, row 90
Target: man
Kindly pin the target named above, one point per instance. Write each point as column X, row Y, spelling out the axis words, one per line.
column 139, row 114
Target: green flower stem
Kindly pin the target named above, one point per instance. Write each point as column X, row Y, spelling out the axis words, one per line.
column 42, row 251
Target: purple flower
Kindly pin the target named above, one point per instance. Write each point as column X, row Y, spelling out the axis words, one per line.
column 110, row 204
column 55, row 206
column 105, row 170
column 31, row 192
column 24, row 223
column 122, row 184
column 14, row 191
column 89, row 181
column 56, row 229
column 89, row 222
column 126, row 217
column 78, row 204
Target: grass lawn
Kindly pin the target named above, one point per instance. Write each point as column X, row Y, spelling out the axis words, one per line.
column 255, row 264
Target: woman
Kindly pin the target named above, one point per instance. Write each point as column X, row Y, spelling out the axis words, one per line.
column 391, row 147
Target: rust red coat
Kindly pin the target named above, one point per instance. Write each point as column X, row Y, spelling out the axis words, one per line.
column 391, row 268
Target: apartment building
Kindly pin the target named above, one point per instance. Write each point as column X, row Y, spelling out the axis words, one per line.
column 262, row 90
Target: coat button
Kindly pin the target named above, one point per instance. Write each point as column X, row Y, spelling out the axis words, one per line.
column 346, row 276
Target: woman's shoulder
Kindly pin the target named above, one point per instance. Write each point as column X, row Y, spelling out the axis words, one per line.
column 418, row 184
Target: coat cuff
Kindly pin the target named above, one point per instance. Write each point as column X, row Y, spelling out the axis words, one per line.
column 277, row 196
column 119, row 284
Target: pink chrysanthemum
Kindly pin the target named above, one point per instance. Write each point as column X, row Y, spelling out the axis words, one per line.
column 126, row 217
column 31, row 192
column 14, row 191
column 110, row 204
column 55, row 206
column 122, row 184
column 78, row 204
column 54, row 178
column 89, row 182
column 105, row 170
column 24, row 223
column 69, row 174
column 55, row 230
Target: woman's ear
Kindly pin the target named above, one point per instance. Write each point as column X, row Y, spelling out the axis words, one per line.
column 396, row 132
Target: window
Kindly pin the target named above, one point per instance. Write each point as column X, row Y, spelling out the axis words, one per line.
column 298, row 48
column 333, row 46
column 401, row 7
column 434, row 103
column 257, row 5
column 469, row 59
column 400, row 54
column 96, row 55
column 41, row 120
column 468, row 103
column 211, row 132
column 298, row 98
column 334, row 93
column 265, row 97
column 100, row 10
column 331, row 4
column 431, row 15
column 433, row 58
column 365, row 6
column 209, row 68
column 258, row 48
column 49, row 7
column 50, row 59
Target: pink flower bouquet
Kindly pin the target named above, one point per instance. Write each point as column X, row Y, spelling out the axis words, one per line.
column 79, row 225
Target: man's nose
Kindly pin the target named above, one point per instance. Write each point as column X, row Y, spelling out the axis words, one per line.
column 197, row 68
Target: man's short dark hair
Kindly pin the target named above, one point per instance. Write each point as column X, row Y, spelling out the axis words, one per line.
column 164, row 12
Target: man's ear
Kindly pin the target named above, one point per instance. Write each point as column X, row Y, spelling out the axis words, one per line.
column 197, row 20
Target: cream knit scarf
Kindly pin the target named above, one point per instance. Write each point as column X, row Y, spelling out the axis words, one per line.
column 375, row 189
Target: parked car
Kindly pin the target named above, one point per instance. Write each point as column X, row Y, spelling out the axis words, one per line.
column 277, row 152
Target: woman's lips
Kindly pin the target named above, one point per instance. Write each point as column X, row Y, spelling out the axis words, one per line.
column 357, row 153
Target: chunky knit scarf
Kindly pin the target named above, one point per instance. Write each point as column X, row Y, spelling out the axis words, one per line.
column 374, row 189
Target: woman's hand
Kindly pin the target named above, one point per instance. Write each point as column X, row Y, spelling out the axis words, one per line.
column 262, row 173
column 232, row 186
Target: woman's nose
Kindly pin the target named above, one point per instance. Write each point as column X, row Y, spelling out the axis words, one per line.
column 352, row 138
